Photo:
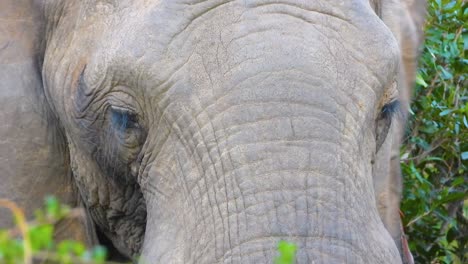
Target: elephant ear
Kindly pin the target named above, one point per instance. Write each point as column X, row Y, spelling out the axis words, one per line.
column 412, row 39
column 31, row 163
column 405, row 18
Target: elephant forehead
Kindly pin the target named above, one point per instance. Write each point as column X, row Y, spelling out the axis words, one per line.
column 226, row 34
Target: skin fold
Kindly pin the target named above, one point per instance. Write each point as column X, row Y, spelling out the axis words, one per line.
column 206, row 131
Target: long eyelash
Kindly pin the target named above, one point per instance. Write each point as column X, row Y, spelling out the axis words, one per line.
column 124, row 119
column 391, row 110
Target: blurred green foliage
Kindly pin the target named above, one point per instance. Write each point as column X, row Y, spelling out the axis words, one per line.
column 37, row 239
column 435, row 152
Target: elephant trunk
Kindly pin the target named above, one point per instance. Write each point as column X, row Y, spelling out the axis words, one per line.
column 246, row 211
column 257, row 173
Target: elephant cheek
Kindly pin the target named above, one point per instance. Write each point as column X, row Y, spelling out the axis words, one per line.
column 118, row 211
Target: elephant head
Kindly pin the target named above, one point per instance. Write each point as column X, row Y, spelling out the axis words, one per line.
column 207, row 131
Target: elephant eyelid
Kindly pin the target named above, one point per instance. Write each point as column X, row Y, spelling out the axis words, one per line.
column 391, row 109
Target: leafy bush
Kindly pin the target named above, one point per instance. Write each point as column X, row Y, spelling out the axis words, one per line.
column 435, row 152
column 34, row 241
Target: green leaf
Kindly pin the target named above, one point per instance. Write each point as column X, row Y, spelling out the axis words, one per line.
column 287, row 253
column 69, row 249
column 450, row 5
column 421, row 143
column 429, row 129
column 464, row 155
column 445, row 112
column 465, row 39
column 99, row 254
column 446, row 75
column 455, row 196
column 41, row 237
column 52, row 207
column 420, row 80
column 457, row 181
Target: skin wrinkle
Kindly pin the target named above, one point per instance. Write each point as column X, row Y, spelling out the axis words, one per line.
column 236, row 129
column 95, row 89
column 235, row 88
column 219, row 115
column 299, row 190
column 296, row 6
column 345, row 190
column 154, row 155
column 350, row 53
column 264, row 120
column 216, row 178
column 149, row 156
column 203, row 172
column 164, row 85
column 61, row 62
column 56, row 75
column 199, row 130
column 199, row 15
column 91, row 119
column 103, row 103
column 331, row 239
column 148, row 185
column 259, row 25
column 222, row 175
column 234, row 180
column 267, row 30
column 343, row 182
column 88, row 96
column 236, row 212
column 189, row 194
column 227, row 151
column 212, row 212
column 255, row 195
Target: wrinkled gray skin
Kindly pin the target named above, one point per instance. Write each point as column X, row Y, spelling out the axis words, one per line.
column 206, row 131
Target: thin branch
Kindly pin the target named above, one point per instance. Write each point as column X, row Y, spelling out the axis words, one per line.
column 23, row 227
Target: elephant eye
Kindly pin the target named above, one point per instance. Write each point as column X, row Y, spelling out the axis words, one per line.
column 391, row 109
column 384, row 121
column 123, row 118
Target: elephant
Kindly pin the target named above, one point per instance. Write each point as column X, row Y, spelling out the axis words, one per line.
column 207, row 131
